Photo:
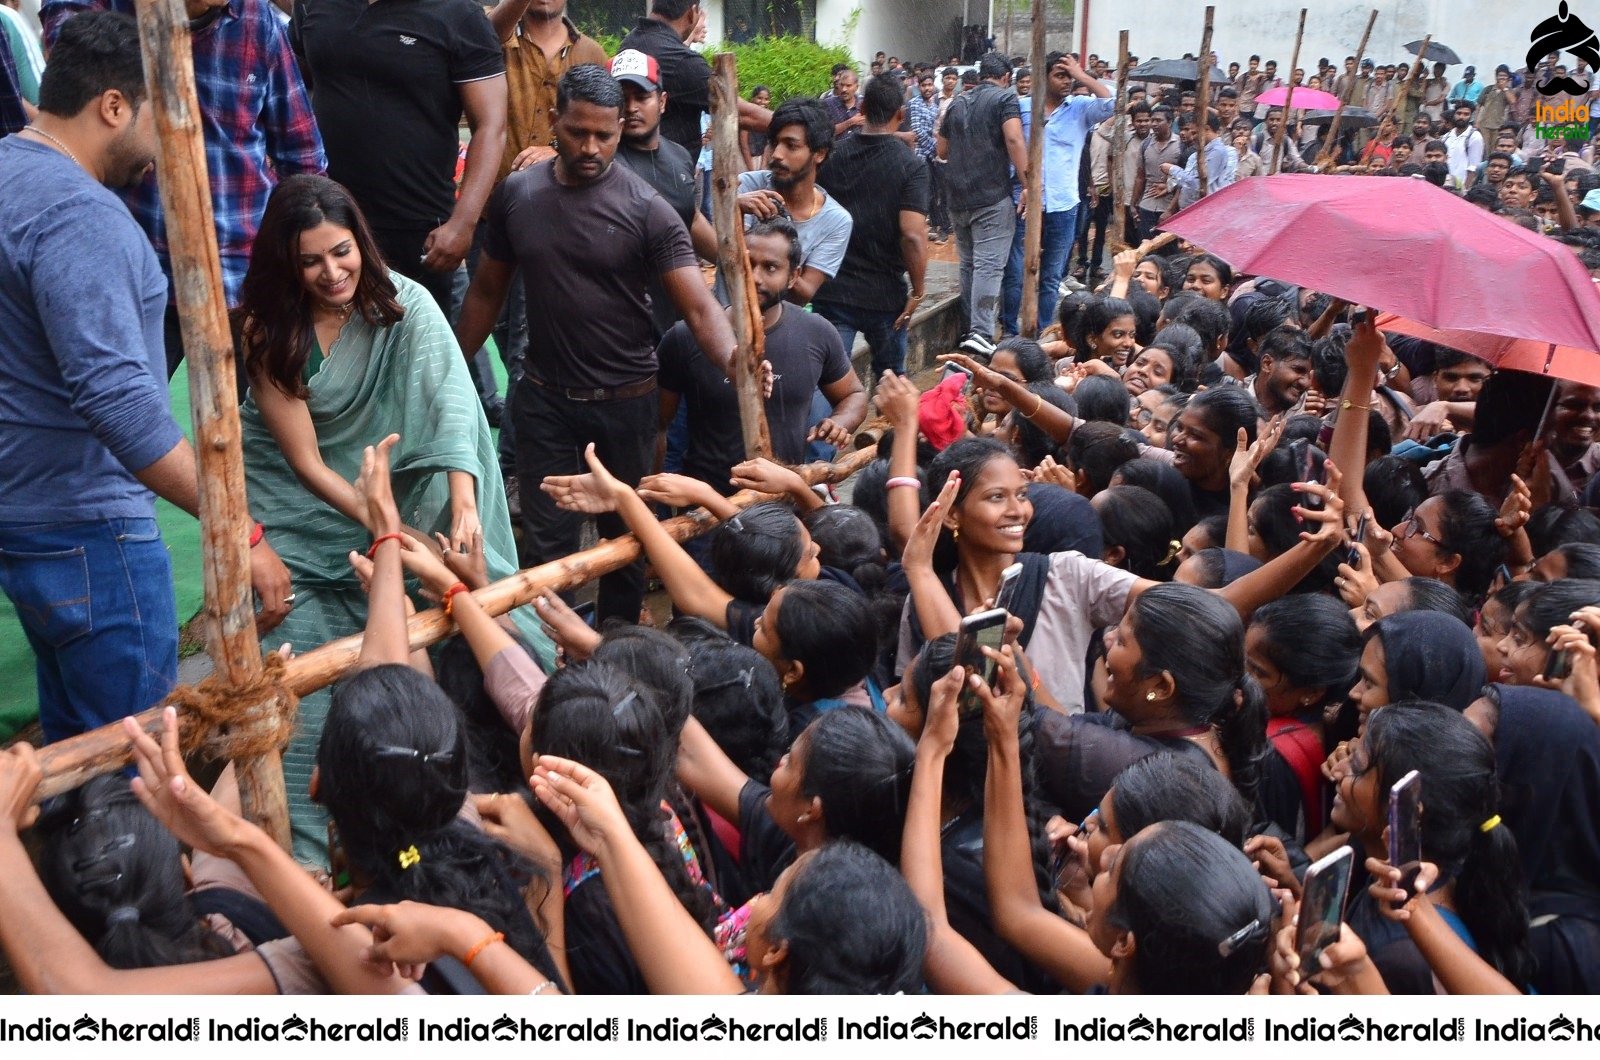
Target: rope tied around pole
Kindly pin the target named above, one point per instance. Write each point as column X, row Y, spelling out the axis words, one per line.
column 238, row 722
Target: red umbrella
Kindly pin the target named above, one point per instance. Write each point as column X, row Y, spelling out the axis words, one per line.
column 1522, row 355
column 1304, row 98
column 1401, row 245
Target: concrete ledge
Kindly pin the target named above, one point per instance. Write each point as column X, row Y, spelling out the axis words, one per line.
column 936, row 327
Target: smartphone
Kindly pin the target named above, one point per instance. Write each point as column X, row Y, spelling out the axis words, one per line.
column 955, row 369
column 1322, row 907
column 1405, row 828
column 1008, row 587
column 986, row 629
column 1353, row 555
column 1359, row 317
column 1559, row 666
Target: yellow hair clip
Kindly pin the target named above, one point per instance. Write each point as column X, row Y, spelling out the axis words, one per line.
column 1490, row 825
column 409, row 857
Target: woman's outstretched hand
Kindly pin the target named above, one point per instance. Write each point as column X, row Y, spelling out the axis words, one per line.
column 167, row 790
column 582, row 799
column 918, row 553
column 593, row 494
column 383, row 516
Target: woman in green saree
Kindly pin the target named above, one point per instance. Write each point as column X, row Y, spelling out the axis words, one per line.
column 341, row 353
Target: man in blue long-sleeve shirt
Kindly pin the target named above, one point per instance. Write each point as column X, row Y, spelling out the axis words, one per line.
column 87, row 436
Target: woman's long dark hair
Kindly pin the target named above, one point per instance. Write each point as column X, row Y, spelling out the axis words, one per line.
column 1460, row 795
column 597, row 715
column 756, row 551
column 392, row 773
column 1183, row 891
column 858, row 763
column 1313, row 642
column 1139, row 522
column 851, row 924
column 274, row 311
column 1197, row 637
column 117, row 875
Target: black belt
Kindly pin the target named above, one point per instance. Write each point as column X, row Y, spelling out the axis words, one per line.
column 589, row 394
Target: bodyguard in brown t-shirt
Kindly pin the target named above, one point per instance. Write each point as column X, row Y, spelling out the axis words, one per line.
column 586, row 235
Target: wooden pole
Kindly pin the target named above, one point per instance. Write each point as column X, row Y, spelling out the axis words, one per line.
column 1011, row 7
column 1330, row 143
column 203, row 315
column 69, row 763
column 1411, row 80
column 1035, row 182
column 733, row 259
column 1202, row 97
column 1283, row 127
column 1118, row 238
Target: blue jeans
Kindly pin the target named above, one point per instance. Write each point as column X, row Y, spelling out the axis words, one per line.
column 1055, row 245
column 95, row 600
column 887, row 342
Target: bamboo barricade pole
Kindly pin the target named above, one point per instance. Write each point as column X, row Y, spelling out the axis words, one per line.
column 1035, row 182
column 733, row 259
column 1416, row 72
column 1330, row 144
column 1202, row 96
column 71, row 762
column 1118, row 239
column 203, row 314
column 1283, row 127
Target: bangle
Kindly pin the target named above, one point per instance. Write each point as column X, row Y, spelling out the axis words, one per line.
column 450, row 595
column 1346, row 403
column 548, row 984
column 1038, row 403
column 380, row 539
column 903, row 480
column 472, row 954
column 257, row 532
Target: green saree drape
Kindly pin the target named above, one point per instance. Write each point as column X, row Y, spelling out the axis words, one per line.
column 408, row 379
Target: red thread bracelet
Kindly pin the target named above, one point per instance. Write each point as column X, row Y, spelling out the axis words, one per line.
column 450, row 595
column 380, row 539
column 256, row 533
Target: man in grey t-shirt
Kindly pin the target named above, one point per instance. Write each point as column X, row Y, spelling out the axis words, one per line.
column 800, row 137
column 981, row 136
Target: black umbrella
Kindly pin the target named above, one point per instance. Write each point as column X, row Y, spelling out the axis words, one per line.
column 1173, row 70
column 1353, row 118
column 1437, row 53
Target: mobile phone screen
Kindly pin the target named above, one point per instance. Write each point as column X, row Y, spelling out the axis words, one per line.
column 1322, row 906
column 987, row 629
column 951, row 369
column 1008, row 587
column 1405, row 828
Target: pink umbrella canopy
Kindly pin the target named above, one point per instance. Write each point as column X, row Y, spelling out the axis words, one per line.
column 1404, row 246
column 1304, row 98
column 1522, row 355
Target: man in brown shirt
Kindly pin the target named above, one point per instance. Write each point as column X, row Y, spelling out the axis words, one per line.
column 540, row 44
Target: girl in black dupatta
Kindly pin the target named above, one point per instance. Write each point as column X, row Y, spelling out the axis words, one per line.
column 1547, row 756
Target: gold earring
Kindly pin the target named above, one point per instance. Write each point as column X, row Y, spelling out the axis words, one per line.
column 1150, row 696
column 955, row 533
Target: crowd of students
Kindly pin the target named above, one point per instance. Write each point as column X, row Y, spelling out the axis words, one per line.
column 1262, row 570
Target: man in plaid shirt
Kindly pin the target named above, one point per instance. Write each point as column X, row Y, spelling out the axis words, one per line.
column 258, row 127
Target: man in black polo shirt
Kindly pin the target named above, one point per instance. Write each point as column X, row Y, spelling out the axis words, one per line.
column 685, row 74
column 804, row 351
column 588, row 236
column 659, row 162
column 390, row 79
column 884, row 185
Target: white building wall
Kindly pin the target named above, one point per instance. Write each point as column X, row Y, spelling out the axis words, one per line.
column 911, row 29
column 1482, row 32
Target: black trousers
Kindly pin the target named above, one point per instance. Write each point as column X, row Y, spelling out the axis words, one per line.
column 552, row 432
